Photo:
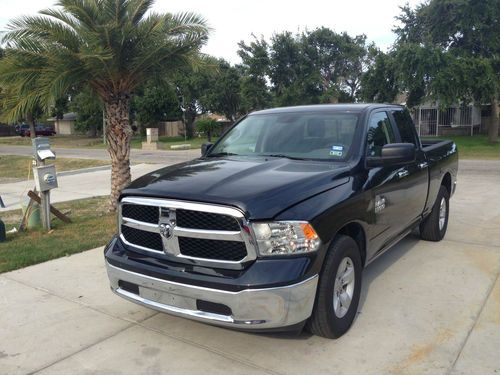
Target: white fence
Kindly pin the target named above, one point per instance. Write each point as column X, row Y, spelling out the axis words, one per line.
column 458, row 120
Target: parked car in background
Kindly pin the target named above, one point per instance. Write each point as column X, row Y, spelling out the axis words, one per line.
column 40, row 130
column 20, row 129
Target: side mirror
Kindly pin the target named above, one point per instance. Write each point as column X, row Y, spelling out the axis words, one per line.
column 393, row 154
column 205, row 147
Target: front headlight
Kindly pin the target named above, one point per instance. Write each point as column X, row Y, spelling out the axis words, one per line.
column 285, row 237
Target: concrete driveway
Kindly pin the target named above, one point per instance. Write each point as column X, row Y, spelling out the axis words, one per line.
column 426, row 308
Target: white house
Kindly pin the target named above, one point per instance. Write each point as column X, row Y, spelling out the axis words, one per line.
column 66, row 125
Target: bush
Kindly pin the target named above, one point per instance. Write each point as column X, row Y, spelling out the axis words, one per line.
column 207, row 126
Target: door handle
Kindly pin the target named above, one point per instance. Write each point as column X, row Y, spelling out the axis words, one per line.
column 403, row 173
column 423, row 165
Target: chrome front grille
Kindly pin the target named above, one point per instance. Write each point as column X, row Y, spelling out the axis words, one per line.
column 189, row 232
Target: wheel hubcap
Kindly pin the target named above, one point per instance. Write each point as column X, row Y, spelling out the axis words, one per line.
column 442, row 213
column 343, row 288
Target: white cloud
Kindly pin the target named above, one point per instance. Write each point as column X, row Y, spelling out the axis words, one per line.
column 235, row 20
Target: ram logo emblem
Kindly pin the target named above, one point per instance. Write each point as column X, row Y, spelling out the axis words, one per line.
column 166, row 230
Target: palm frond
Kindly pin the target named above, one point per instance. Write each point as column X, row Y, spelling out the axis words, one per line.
column 43, row 30
column 138, row 10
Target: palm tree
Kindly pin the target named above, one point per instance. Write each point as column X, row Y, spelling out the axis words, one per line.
column 112, row 46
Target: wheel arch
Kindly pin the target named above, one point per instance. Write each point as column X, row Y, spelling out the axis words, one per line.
column 356, row 231
column 446, row 182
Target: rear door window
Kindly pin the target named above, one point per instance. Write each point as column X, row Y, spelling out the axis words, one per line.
column 405, row 126
column 379, row 134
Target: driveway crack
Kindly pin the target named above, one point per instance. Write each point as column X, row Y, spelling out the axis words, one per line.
column 462, row 346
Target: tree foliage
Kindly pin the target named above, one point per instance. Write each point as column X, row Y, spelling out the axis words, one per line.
column 113, row 46
column 319, row 66
column 88, row 108
column 156, row 102
column 449, row 50
column 208, row 126
column 223, row 91
column 254, row 70
column 380, row 83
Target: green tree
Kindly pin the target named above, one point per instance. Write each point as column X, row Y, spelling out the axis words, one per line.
column 88, row 109
column 223, row 92
column 114, row 46
column 207, row 126
column 379, row 83
column 255, row 66
column 156, row 102
column 192, row 84
column 449, row 50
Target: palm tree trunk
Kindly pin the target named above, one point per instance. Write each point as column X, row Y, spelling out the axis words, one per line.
column 118, row 134
column 493, row 126
column 31, row 123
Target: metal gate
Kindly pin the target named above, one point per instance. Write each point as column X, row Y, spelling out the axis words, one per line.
column 431, row 121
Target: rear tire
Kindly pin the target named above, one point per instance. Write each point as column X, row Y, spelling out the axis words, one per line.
column 339, row 289
column 434, row 226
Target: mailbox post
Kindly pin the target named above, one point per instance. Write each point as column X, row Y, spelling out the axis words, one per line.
column 45, row 176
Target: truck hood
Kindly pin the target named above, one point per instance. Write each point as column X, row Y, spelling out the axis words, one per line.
column 261, row 187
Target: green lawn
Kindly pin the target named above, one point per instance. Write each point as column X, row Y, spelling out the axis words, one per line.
column 92, row 227
column 73, row 141
column 13, row 166
column 476, row 147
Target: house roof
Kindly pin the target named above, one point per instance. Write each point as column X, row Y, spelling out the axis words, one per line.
column 70, row 116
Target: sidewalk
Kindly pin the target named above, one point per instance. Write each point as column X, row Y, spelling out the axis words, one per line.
column 71, row 186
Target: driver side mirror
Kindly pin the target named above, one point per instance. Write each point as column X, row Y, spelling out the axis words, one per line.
column 393, row 154
column 205, row 148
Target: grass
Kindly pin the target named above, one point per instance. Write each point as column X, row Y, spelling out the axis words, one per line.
column 476, row 147
column 13, row 166
column 73, row 141
column 80, row 141
column 92, row 226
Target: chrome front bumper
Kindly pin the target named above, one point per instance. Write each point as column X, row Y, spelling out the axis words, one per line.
column 250, row 309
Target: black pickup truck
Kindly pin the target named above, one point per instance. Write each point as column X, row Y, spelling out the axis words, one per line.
column 271, row 227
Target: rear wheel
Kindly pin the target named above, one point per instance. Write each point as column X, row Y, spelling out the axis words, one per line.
column 339, row 289
column 434, row 227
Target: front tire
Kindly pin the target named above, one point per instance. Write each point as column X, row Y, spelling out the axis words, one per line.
column 339, row 289
column 434, row 226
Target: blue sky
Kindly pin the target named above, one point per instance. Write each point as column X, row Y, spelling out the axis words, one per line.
column 235, row 20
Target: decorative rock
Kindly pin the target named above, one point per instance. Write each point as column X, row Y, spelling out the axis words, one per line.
column 185, row 146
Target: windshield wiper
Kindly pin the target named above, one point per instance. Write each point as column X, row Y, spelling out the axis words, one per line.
column 282, row 156
column 221, row 154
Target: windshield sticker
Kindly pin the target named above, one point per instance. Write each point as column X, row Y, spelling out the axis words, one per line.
column 335, row 153
column 337, row 148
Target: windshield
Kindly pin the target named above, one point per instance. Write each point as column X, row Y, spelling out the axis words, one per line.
column 323, row 136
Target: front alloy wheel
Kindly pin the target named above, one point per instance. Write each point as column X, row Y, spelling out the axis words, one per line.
column 344, row 287
column 339, row 289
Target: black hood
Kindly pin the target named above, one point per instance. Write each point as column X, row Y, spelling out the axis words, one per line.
column 261, row 187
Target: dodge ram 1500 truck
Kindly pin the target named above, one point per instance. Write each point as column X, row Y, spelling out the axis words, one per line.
column 271, row 227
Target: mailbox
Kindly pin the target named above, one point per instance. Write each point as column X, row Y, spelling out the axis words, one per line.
column 45, row 177
column 41, row 149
